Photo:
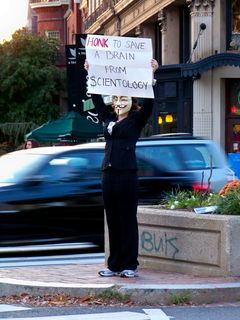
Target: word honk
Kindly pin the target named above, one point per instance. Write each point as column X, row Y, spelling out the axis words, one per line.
column 97, row 42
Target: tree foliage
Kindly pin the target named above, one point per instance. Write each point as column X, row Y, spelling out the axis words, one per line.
column 30, row 81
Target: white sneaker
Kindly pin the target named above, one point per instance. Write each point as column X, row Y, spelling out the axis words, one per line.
column 129, row 273
column 108, row 273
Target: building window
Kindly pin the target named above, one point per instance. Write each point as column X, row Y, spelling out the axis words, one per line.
column 52, row 34
column 233, row 97
column 233, row 12
column 236, row 16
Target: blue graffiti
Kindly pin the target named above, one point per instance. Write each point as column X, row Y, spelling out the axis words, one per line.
column 153, row 243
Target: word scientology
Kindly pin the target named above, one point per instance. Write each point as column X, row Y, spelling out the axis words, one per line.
column 121, row 83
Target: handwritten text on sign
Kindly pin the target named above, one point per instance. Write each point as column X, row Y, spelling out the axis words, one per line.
column 119, row 66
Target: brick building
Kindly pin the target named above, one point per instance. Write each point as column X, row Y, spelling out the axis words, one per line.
column 58, row 19
column 197, row 43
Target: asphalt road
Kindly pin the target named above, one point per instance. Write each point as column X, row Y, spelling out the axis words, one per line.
column 211, row 312
column 58, row 254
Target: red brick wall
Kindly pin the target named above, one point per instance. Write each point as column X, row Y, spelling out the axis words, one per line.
column 74, row 24
column 52, row 19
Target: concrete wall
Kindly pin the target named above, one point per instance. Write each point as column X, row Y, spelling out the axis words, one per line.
column 185, row 242
column 188, row 243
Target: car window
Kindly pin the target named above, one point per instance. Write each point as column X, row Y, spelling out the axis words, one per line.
column 73, row 167
column 195, row 157
column 175, row 157
column 161, row 156
column 200, row 156
column 16, row 167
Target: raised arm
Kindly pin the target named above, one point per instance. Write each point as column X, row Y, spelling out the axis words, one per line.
column 154, row 65
column 101, row 107
column 145, row 111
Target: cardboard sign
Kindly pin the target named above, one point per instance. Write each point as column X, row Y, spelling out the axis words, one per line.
column 119, row 66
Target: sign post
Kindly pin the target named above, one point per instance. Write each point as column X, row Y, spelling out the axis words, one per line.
column 78, row 99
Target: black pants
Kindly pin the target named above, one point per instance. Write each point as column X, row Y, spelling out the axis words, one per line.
column 120, row 196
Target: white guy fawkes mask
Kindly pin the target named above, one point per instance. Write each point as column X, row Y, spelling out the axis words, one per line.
column 121, row 104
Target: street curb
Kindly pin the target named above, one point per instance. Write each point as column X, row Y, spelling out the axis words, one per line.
column 11, row 287
column 178, row 294
column 166, row 294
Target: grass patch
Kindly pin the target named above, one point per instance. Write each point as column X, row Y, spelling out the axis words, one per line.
column 179, row 299
column 111, row 295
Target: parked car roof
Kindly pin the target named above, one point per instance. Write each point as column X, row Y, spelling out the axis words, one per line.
column 59, row 149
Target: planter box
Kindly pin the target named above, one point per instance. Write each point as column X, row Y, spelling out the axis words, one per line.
column 185, row 242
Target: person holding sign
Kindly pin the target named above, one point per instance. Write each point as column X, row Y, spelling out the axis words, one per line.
column 122, row 127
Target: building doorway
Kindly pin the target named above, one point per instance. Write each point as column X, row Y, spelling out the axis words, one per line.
column 173, row 103
column 233, row 115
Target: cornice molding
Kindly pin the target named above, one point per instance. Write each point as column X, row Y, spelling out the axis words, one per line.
column 196, row 5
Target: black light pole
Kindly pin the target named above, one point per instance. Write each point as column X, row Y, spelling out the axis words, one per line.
column 202, row 27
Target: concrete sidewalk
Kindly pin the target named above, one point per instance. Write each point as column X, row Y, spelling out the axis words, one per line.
column 152, row 287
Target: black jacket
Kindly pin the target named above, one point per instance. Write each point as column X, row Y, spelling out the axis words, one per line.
column 120, row 145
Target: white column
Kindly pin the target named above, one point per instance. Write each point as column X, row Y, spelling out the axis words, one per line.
column 202, row 106
column 169, row 22
column 202, row 12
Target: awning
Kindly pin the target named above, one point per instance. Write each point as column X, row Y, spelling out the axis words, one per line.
column 217, row 60
column 71, row 127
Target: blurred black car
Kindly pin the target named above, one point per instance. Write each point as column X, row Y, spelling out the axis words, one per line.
column 53, row 194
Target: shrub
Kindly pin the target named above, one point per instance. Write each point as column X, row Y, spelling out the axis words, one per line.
column 180, row 199
column 227, row 200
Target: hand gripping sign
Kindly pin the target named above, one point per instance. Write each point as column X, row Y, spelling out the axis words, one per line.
column 119, row 66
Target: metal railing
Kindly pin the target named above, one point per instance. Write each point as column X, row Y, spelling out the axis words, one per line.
column 48, row 1
column 37, row 1
column 98, row 12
